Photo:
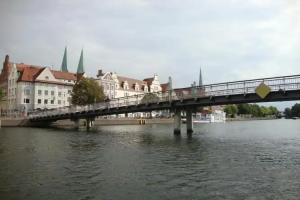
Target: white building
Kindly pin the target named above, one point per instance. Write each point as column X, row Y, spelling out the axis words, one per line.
column 115, row 86
column 31, row 87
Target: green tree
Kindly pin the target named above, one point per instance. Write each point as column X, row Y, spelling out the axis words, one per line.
column 265, row 111
column 87, row 91
column 273, row 110
column 256, row 110
column 243, row 109
column 295, row 110
column 288, row 113
column 231, row 110
column 150, row 98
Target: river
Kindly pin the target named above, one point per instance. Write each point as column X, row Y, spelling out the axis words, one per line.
column 234, row 160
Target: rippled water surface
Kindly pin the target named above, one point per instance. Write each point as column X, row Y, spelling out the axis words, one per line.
column 235, row 160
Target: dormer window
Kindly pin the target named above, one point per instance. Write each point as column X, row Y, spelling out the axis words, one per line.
column 146, row 88
column 136, row 87
column 125, row 85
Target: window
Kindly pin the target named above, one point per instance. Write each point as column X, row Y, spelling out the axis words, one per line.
column 46, row 92
column 52, row 101
column 69, row 91
column 39, row 92
column 39, row 101
column 27, row 92
column 46, row 101
column 52, row 93
column 59, row 102
column 59, row 94
column 47, row 77
column 26, row 100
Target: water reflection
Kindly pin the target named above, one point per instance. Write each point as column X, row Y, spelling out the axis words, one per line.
column 240, row 160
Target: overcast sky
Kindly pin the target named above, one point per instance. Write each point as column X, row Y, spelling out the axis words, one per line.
column 229, row 39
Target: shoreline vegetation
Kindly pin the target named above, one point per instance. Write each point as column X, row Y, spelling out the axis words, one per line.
column 251, row 111
column 293, row 112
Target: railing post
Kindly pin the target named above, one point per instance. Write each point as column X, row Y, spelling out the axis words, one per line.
column 284, row 84
column 227, row 92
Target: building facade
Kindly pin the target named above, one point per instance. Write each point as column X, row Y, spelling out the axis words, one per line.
column 28, row 87
column 116, row 86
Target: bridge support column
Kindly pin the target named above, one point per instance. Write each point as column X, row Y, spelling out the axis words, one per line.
column 89, row 123
column 189, row 121
column 76, row 123
column 177, row 122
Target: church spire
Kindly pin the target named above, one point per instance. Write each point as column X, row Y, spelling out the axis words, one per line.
column 64, row 64
column 200, row 78
column 80, row 69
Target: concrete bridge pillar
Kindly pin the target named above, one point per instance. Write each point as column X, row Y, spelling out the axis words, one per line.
column 177, row 122
column 76, row 123
column 189, row 121
column 89, row 123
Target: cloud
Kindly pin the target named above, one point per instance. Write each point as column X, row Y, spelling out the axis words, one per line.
column 230, row 40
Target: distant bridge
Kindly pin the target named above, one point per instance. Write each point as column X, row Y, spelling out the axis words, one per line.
column 284, row 88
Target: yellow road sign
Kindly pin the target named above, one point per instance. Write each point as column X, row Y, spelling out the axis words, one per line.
column 262, row 90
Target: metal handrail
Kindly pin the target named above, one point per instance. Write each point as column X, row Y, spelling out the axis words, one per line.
column 284, row 83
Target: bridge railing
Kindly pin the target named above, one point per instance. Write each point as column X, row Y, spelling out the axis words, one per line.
column 284, row 83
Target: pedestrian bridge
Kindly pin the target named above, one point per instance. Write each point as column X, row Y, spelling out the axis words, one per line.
column 284, row 88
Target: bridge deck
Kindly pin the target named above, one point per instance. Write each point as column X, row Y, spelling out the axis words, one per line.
column 286, row 88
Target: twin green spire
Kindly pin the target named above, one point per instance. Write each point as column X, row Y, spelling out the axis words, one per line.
column 64, row 65
column 80, row 69
column 200, row 78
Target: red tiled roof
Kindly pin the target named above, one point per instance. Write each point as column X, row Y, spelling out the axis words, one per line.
column 29, row 74
column 149, row 81
column 164, row 87
column 64, row 75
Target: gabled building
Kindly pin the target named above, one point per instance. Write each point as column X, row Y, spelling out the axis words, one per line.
column 115, row 86
column 29, row 87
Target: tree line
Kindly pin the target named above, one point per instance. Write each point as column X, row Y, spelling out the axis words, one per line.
column 250, row 109
column 292, row 112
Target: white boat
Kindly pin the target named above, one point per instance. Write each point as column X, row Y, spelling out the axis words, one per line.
column 217, row 116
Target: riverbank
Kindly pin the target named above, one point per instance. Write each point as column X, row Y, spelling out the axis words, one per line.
column 115, row 121
column 250, row 119
column 16, row 122
column 21, row 122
